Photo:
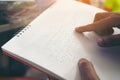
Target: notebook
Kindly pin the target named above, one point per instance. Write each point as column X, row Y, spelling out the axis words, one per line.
column 50, row 44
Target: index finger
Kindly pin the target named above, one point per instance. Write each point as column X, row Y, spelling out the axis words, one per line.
column 85, row 28
column 98, row 16
column 101, row 25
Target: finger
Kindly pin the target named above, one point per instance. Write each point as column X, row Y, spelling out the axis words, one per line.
column 84, row 28
column 96, row 26
column 99, row 26
column 102, row 15
column 109, row 41
column 98, row 16
column 87, row 70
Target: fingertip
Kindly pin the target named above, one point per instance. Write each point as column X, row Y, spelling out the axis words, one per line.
column 83, row 62
column 109, row 41
column 81, row 29
column 100, row 42
column 77, row 29
column 87, row 70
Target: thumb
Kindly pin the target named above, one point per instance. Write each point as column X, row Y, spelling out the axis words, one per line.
column 109, row 41
column 87, row 70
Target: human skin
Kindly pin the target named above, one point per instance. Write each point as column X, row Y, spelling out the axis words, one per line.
column 103, row 25
column 87, row 71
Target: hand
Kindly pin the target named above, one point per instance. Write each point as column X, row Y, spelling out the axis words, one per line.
column 103, row 25
column 87, row 70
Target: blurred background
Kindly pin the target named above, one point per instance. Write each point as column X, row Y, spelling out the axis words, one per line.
column 14, row 16
column 109, row 5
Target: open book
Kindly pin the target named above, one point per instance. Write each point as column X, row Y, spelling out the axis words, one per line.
column 51, row 45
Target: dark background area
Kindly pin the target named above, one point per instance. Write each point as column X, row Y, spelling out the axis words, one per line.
column 14, row 16
column 8, row 66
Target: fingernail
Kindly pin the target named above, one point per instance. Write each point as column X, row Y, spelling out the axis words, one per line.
column 100, row 42
column 83, row 62
column 76, row 29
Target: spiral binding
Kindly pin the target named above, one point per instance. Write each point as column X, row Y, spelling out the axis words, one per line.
column 22, row 31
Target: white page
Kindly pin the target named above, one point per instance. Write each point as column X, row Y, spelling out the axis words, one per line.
column 50, row 43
